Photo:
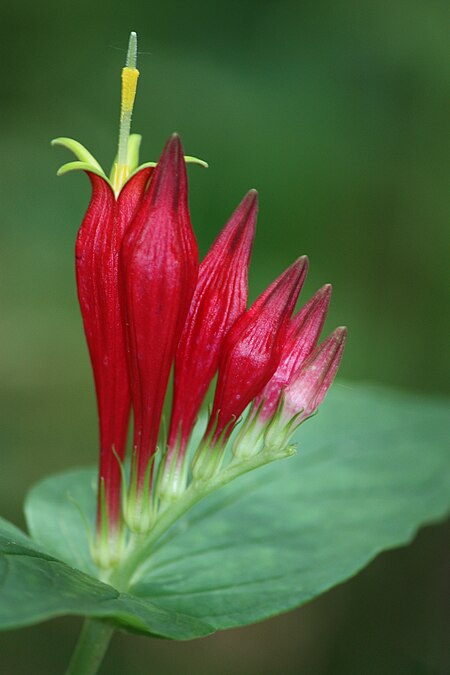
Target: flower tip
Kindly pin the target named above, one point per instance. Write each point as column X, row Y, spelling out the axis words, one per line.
column 170, row 172
column 336, row 342
column 340, row 333
column 173, row 151
column 293, row 277
column 302, row 261
column 301, row 265
column 240, row 228
column 322, row 298
column 250, row 202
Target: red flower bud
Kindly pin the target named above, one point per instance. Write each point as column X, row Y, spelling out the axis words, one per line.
column 97, row 257
column 301, row 338
column 160, row 266
column 252, row 349
column 220, row 298
column 307, row 388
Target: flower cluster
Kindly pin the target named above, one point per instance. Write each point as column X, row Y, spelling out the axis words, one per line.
column 148, row 306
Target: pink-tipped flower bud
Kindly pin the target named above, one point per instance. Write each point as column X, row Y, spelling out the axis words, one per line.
column 301, row 338
column 305, row 390
column 308, row 387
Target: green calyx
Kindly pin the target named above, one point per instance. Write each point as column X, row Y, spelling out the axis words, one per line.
column 172, row 476
column 120, row 174
column 140, row 546
column 178, row 484
column 139, row 508
column 108, row 545
column 210, row 454
column 273, row 434
column 249, row 440
column 207, row 462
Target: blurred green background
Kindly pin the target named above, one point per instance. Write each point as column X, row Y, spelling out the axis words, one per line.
column 337, row 113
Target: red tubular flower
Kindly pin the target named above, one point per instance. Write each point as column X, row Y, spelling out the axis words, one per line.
column 220, row 298
column 97, row 257
column 252, row 350
column 160, row 266
column 308, row 386
column 301, row 338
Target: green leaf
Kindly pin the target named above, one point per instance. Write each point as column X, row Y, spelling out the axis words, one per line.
column 15, row 536
column 372, row 468
column 57, row 511
column 35, row 587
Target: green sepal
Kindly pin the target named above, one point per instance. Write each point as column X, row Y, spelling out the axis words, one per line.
column 172, row 476
column 248, row 441
column 208, row 462
column 139, row 507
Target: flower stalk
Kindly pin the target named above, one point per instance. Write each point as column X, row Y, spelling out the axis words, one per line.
column 91, row 647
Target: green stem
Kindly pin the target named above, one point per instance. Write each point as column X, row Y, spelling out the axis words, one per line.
column 91, row 647
column 141, row 546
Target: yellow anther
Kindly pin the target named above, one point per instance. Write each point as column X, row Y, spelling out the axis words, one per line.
column 129, row 85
